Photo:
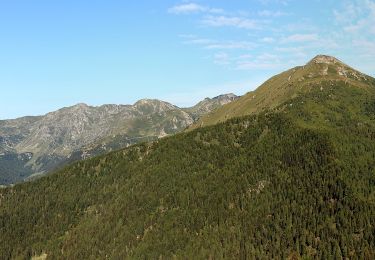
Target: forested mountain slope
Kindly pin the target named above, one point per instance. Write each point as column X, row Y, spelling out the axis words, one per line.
column 32, row 146
column 294, row 181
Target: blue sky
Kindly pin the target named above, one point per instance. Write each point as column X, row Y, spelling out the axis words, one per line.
column 58, row 53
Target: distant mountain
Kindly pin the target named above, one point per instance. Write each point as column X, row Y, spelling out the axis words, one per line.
column 210, row 104
column 31, row 146
column 287, row 85
column 292, row 179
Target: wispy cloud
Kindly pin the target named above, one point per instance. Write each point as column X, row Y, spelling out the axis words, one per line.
column 282, row 2
column 244, row 57
column 350, row 12
column 357, row 20
column 267, row 40
column 190, row 8
column 231, row 21
column 289, row 36
column 357, row 16
column 260, row 62
column 256, row 65
column 211, row 44
column 186, row 8
column 367, row 47
column 300, row 38
column 221, row 58
column 299, row 26
column 269, row 13
column 202, row 41
column 243, row 45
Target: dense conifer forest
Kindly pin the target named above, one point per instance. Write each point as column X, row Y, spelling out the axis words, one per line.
column 294, row 182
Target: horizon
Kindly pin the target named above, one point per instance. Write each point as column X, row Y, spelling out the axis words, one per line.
column 109, row 104
column 56, row 55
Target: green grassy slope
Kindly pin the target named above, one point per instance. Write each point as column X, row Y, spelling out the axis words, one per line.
column 287, row 85
column 295, row 181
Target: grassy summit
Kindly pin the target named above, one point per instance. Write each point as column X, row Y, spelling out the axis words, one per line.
column 287, row 85
column 293, row 180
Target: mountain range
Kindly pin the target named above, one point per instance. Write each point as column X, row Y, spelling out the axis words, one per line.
column 284, row 172
column 33, row 146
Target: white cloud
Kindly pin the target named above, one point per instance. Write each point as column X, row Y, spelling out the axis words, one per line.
column 293, row 41
column 268, row 13
column 227, row 45
column 366, row 47
column 299, row 26
column 221, row 58
column 290, row 49
column 267, row 40
column 300, row 38
column 357, row 17
column 199, row 41
column 216, row 11
column 268, row 57
column 263, row 61
column 190, row 8
column 244, row 57
column 254, row 65
column 186, row 8
column 211, row 44
column 348, row 13
column 227, row 21
column 282, row 2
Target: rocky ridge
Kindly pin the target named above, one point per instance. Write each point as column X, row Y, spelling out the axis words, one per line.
column 40, row 144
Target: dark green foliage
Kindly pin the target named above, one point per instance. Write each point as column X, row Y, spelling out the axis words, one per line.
column 13, row 167
column 299, row 182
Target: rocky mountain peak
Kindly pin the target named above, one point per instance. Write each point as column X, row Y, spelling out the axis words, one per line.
column 81, row 105
column 325, row 59
column 210, row 104
column 76, row 107
column 229, row 96
column 324, row 65
column 154, row 105
column 58, row 137
column 316, row 74
column 147, row 101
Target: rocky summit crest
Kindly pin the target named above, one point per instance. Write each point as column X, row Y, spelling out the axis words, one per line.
column 326, row 59
column 36, row 145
